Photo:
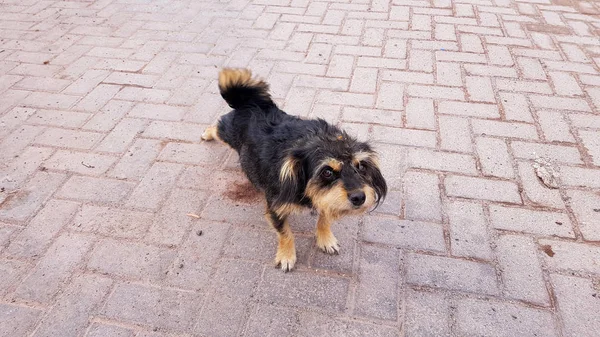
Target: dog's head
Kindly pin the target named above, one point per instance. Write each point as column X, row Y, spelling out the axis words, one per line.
column 337, row 173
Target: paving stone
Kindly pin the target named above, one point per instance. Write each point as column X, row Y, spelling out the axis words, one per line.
column 535, row 190
column 136, row 160
column 79, row 162
column 272, row 322
column 378, row 279
column 586, row 207
column 344, row 229
column 12, row 271
column 152, row 306
column 198, row 154
column 15, row 173
column 404, row 233
column 68, row 138
column 492, row 318
column 25, row 202
column 63, row 257
column 101, row 330
column 494, row 157
column 198, row 255
column 225, row 311
column 172, row 222
column 450, row 273
column 479, row 188
column 111, row 221
column 71, row 312
column 318, row 324
column 531, row 221
column 131, row 260
column 301, row 289
column 37, row 236
column 95, row 189
column 427, row 314
column 570, row 256
column 17, row 320
column 577, row 302
column 468, row 230
column 422, row 196
column 520, row 269
column 155, row 186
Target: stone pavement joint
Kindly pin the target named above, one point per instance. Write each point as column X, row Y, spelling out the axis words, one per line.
column 116, row 220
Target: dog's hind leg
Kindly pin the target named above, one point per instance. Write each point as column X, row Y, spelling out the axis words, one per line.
column 286, row 249
column 326, row 241
column 211, row 133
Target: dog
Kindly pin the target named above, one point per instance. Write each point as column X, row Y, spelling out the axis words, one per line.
column 297, row 163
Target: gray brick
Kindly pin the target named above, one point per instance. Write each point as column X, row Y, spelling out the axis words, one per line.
column 450, row 273
column 95, row 189
column 226, row 310
column 571, row 256
column 555, row 153
column 68, row 138
column 422, row 197
column 270, row 321
column 70, row 315
column 157, row 111
column 479, row 188
column 520, row 268
column 63, row 257
column 300, row 289
column 104, row 330
column 198, row 254
column 579, row 177
column 586, row 206
column 531, row 221
column 108, row 116
column 491, row 318
column 535, row 190
column 24, row 203
column 222, row 209
column 172, row 222
column 427, row 314
column 578, row 305
column 37, row 236
column 376, row 295
column 494, row 158
column 441, row 161
column 137, row 160
column 17, row 320
column 155, row 186
column 154, row 307
column 122, row 135
column 404, row 233
column 80, row 162
column 131, row 260
column 468, row 230
column 19, row 169
column 315, row 324
column 111, row 221
column 209, row 154
column 392, row 164
column 11, row 271
column 409, row 137
column 174, row 131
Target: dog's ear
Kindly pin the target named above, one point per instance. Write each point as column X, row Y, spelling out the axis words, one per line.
column 374, row 175
column 292, row 179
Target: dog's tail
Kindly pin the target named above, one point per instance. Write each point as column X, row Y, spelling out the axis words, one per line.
column 238, row 88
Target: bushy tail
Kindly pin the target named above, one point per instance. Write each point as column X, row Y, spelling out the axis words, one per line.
column 238, row 88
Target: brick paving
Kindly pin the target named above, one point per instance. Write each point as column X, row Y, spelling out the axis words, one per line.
column 117, row 220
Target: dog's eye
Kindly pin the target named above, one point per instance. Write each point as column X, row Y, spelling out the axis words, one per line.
column 327, row 173
column 360, row 167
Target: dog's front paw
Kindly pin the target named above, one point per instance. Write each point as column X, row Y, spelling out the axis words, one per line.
column 285, row 262
column 209, row 133
column 328, row 244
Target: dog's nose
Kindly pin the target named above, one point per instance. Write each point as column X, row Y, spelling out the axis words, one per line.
column 357, row 198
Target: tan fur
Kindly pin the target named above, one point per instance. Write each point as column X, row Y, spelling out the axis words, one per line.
column 326, row 241
column 230, row 77
column 211, row 133
column 287, row 170
column 335, row 164
column 286, row 248
column 288, row 209
column 333, row 202
column 363, row 156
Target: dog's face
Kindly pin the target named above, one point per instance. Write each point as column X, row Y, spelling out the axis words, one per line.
column 339, row 175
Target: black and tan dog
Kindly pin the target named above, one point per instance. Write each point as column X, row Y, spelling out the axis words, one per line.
column 297, row 163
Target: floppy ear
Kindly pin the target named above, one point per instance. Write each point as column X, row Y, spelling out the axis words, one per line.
column 377, row 181
column 292, row 180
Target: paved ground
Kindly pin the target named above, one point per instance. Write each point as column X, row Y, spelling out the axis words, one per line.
column 102, row 104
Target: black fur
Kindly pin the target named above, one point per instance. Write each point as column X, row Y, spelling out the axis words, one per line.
column 264, row 136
